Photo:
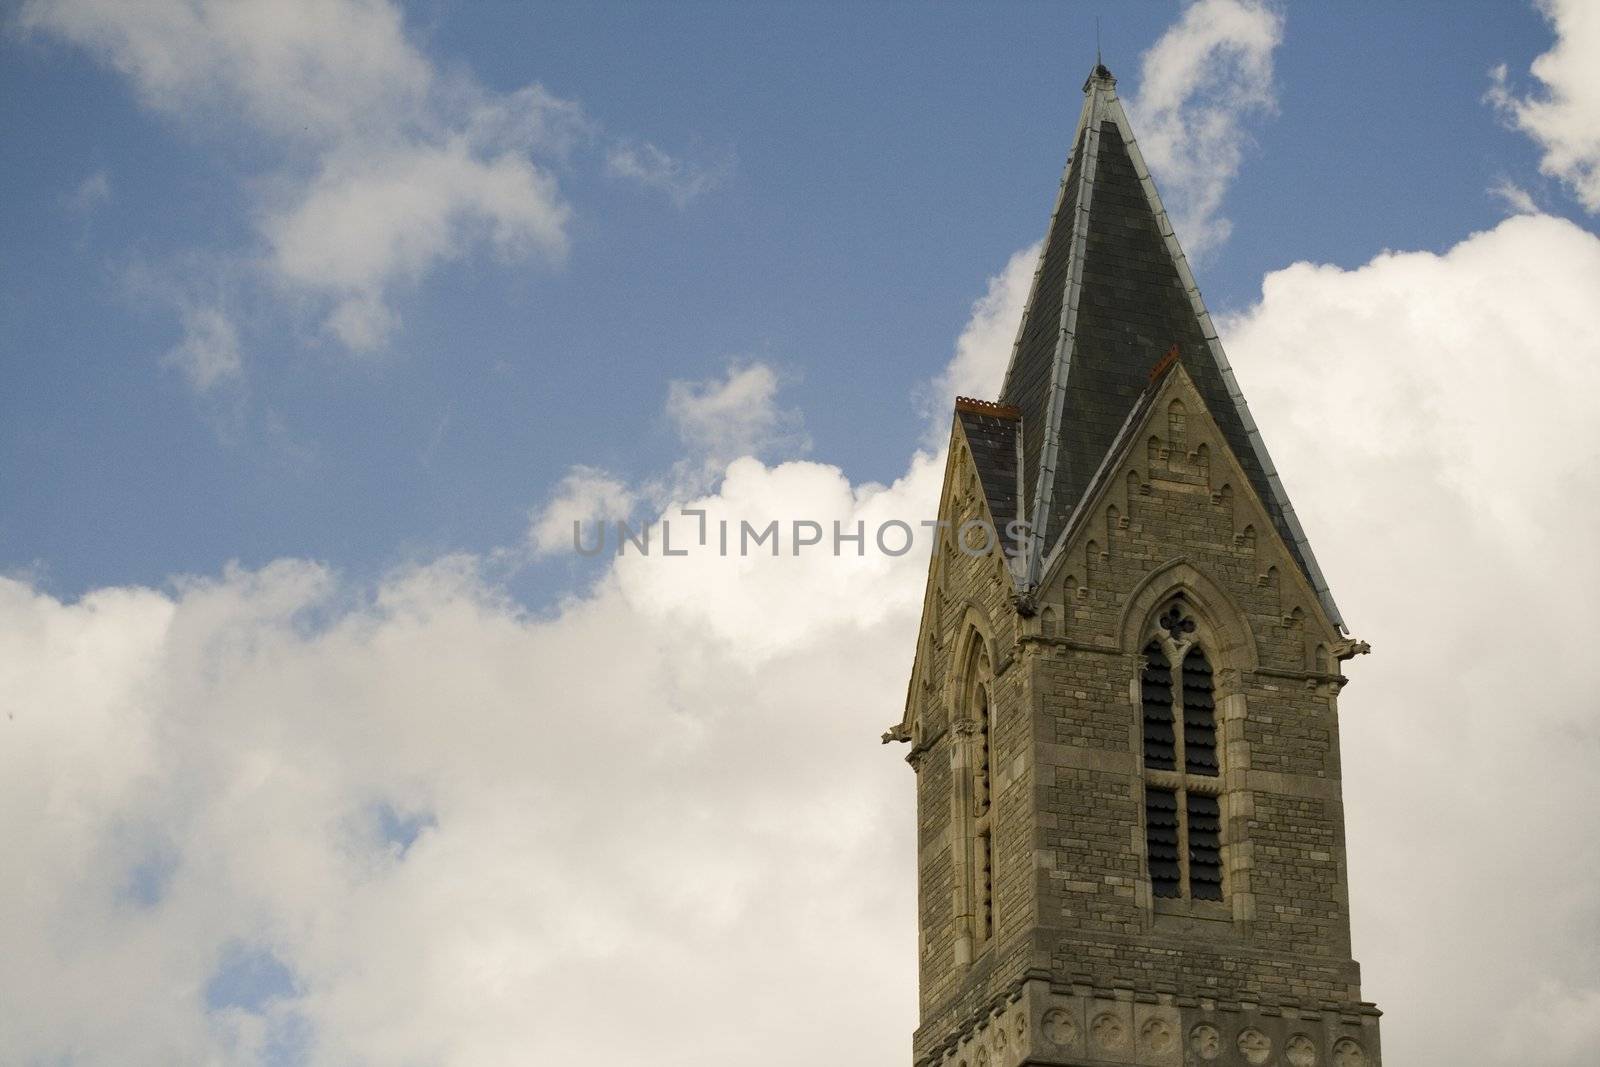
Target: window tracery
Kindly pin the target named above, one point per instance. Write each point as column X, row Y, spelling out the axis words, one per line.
column 1182, row 769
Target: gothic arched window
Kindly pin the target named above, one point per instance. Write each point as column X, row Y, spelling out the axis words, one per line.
column 1182, row 783
column 982, row 809
column 976, row 797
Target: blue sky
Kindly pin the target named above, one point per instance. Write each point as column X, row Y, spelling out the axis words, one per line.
column 321, row 319
column 873, row 166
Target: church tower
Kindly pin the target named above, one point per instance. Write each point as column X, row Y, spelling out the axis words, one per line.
column 1123, row 710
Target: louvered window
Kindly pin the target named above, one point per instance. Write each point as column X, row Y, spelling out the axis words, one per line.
column 1155, row 687
column 1199, row 716
column 978, row 800
column 1161, row 837
column 1182, row 805
column 1204, row 830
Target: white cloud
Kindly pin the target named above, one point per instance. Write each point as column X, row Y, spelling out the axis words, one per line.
column 390, row 166
column 759, row 606
column 366, row 224
column 681, row 180
column 1198, row 84
column 1553, row 1024
column 303, row 69
column 736, row 415
column 624, row 794
column 631, row 785
column 1431, row 414
column 586, row 496
column 984, row 348
column 1513, row 196
column 209, row 353
column 1435, row 405
column 1564, row 118
column 621, row 796
column 89, row 195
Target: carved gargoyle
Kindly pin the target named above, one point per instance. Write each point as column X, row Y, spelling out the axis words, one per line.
column 1350, row 648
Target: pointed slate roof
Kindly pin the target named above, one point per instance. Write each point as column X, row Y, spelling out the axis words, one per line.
column 991, row 431
column 1112, row 293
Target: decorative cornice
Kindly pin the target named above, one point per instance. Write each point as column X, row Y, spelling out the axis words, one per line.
column 967, row 1026
column 1071, row 644
column 995, row 1003
column 1301, row 676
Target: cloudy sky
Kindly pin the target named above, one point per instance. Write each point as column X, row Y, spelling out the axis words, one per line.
column 322, row 319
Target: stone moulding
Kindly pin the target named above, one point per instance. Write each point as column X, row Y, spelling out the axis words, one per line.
column 1039, row 1023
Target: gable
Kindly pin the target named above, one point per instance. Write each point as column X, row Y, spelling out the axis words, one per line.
column 1185, row 450
column 980, row 480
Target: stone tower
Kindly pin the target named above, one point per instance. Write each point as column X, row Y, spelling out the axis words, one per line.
column 1122, row 713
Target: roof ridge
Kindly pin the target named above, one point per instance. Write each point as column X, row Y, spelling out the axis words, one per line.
column 1044, row 246
column 1098, row 91
column 988, row 407
column 1258, row 445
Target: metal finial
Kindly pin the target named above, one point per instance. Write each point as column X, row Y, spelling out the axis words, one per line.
column 1100, row 73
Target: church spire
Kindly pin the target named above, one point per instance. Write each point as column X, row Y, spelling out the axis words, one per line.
column 1112, row 293
column 1129, row 825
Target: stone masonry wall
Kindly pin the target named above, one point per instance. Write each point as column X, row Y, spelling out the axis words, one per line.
column 1281, row 937
column 1074, row 907
column 970, row 592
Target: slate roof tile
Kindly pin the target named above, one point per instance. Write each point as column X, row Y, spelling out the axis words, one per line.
column 1133, row 305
